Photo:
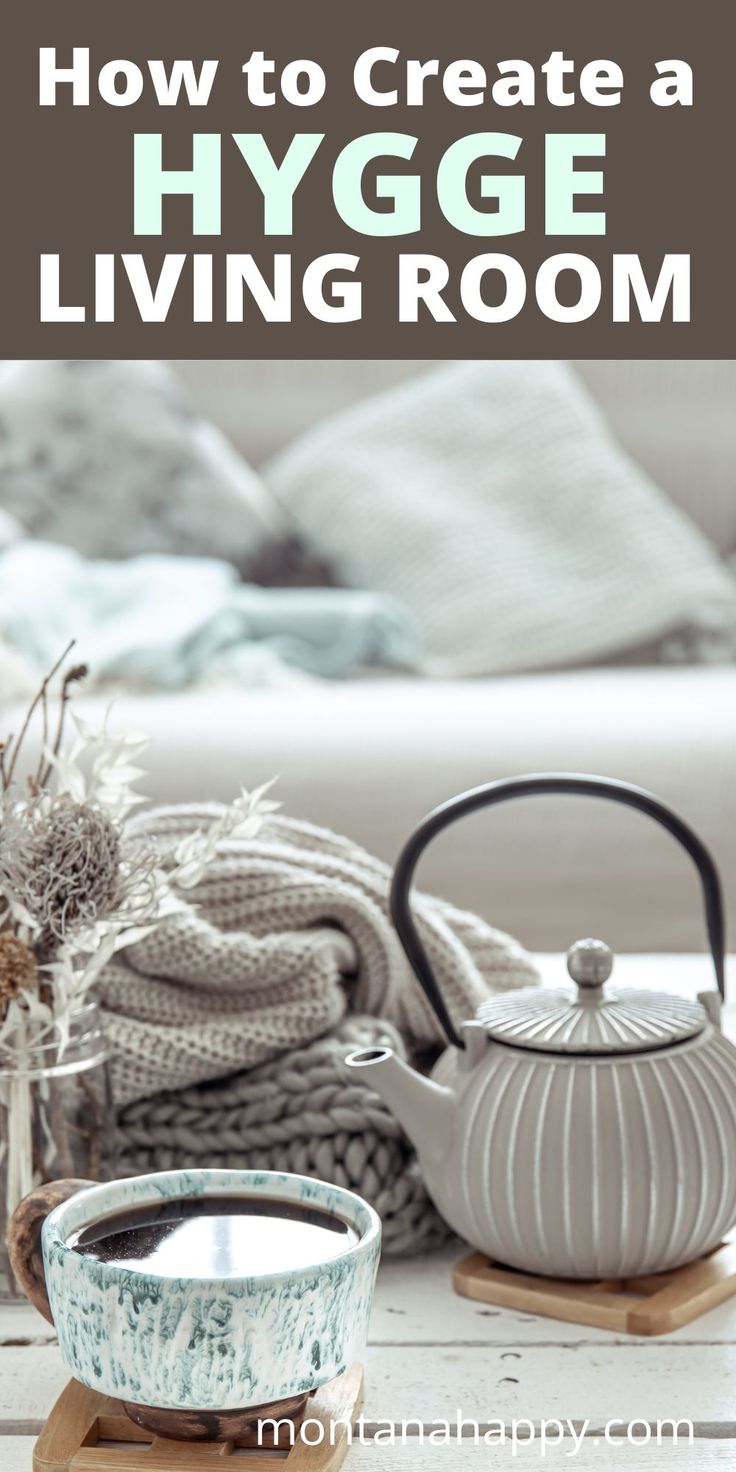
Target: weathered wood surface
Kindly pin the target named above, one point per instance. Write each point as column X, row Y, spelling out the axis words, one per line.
column 429, row 1382
column 703, row 1456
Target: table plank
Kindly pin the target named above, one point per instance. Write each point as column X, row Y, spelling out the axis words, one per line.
column 414, row 1304
column 20, row 1323
column 537, row 1382
column 701, row 1456
column 595, row 1382
column 15, row 1453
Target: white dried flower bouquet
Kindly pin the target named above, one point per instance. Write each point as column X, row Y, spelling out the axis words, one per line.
column 75, row 885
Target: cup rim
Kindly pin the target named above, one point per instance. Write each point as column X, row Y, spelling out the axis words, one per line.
column 83, row 1208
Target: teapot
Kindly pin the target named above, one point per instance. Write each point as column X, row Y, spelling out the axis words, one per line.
column 579, row 1132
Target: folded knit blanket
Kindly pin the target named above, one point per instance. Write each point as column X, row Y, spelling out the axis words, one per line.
column 303, row 1112
column 230, row 1022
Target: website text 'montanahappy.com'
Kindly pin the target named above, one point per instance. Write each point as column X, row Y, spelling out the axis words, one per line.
column 572, row 1437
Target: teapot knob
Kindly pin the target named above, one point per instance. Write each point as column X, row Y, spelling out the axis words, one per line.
column 590, row 962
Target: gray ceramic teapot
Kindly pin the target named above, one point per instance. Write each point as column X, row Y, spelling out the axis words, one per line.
column 581, row 1132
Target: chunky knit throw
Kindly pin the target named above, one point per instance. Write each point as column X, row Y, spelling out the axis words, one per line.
column 230, row 1023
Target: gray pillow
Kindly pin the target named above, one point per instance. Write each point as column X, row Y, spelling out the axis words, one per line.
column 111, row 458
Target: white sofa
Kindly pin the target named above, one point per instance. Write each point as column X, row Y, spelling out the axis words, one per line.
column 369, row 758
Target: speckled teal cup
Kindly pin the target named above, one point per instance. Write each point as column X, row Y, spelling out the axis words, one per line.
column 212, row 1343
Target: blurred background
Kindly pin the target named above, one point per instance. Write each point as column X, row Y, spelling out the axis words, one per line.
column 542, row 554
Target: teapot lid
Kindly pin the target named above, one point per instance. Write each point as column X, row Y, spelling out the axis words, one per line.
column 593, row 1019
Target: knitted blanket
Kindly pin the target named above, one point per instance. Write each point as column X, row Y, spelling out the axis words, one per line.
column 302, row 1112
column 230, row 1022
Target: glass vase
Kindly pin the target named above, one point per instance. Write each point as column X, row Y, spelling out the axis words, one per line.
column 55, row 1115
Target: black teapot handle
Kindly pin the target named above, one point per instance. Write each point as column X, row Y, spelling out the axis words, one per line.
column 545, row 782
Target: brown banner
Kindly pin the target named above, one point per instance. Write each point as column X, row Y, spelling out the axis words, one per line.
column 666, row 193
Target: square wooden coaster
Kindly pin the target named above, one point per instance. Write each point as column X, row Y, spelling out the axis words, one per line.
column 87, row 1432
column 652, row 1305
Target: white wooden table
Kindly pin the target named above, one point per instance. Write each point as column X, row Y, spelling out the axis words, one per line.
column 432, row 1354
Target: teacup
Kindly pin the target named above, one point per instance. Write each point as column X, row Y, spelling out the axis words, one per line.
column 197, row 1344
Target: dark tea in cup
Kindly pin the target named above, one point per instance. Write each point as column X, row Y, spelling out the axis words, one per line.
column 215, row 1236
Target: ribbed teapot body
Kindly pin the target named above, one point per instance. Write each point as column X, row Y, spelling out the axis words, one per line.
column 590, row 1167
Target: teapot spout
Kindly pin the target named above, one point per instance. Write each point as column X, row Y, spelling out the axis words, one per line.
column 423, row 1108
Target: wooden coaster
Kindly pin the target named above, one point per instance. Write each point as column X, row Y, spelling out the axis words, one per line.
column 88, row 1432
column 653, row 1305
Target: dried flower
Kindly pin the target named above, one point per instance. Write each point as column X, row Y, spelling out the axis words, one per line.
column 11, row 749
column 100, row 767
column 76, row 885
column 60, row 861
column 242, row 819
column 18, row 970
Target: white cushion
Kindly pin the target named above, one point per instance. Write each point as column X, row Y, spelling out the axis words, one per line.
column 491, row 499
column 675, row 417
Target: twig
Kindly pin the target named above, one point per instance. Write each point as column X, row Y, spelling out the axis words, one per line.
column 4, row 748
column 35, row 782
column 39, row 696
column 77, row 672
